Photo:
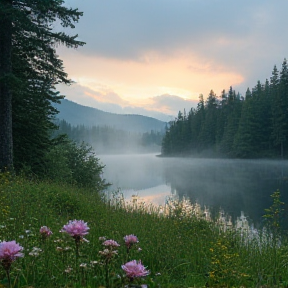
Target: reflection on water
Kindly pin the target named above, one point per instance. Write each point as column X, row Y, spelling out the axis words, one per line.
column 233, row 185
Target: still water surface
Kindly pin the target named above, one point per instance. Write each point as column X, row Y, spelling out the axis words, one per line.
column 233, row 185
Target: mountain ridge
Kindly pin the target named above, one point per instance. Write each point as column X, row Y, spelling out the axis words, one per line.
column 77, row 114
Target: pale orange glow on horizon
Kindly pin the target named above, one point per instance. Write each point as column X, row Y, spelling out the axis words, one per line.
column 136, row 82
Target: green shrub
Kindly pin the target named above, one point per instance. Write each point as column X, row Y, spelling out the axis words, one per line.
column 75, row 164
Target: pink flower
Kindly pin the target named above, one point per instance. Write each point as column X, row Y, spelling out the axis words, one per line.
column 76, row 228
column 9, row 251
column 134, row 269
column 130, row 240
column 45, row 232
column 111, row 243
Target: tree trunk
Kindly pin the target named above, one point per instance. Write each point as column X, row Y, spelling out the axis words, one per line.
column 6, row 142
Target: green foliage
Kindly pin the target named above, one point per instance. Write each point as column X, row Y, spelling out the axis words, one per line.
column 180, row 250
column 234, row 126
column 76, row 164
column 36, row 69
column 274, row 212
column 224, row 267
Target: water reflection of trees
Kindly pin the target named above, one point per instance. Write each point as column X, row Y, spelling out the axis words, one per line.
column 234, row 185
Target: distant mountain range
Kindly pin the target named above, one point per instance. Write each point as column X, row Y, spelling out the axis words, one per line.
column 76, row 114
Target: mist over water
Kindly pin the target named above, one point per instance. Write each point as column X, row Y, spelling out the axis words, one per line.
column 233, row 185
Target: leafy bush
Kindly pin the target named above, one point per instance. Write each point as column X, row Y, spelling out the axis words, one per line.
column 76, row 164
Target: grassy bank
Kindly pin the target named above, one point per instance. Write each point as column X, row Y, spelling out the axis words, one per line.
column 178, row 251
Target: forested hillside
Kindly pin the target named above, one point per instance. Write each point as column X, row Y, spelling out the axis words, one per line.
column 231, row 125
column 77, row 114
column 105, row 139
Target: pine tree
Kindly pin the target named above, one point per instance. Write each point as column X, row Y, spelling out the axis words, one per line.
column 234, row 105
column 243, row 142
column 207, row 136
column 221, row 118
column 279, row 124
column 199, row 120
column 6, row 142
column 30, row 69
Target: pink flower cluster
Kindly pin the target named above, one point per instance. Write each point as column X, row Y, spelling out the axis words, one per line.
column 135, row 269
column 130, row 240
column 111, row 243
column 76, row 228
column 45, row 232
column 10, row 250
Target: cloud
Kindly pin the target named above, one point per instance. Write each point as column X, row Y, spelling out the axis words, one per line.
column 139, row 49
column 162, row 107
column 172, row 104
column 129, row 29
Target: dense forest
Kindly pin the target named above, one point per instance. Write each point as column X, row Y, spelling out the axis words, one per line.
column 230, row 125
column 106, row 139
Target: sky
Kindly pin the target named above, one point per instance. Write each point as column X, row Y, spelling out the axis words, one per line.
column 154, row 57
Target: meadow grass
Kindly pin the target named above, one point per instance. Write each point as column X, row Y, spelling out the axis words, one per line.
column 178, row 250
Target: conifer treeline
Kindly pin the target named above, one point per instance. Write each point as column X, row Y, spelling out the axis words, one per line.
column 230, row 125
column 109, row 139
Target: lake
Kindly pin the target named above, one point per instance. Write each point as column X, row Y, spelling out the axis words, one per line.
column 232, row 185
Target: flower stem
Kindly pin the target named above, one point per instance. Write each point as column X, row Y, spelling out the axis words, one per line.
column 8, row 276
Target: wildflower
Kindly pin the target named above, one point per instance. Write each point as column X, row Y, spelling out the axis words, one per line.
column 83, row 265
column 9, row 251
column 35, row 251
column 135, row 269
column 45, row 232
column 68, row 270
column 111, row 243
column 58, row 241
column 130, row 240
column 92, row 263
column 108, row 253
column 103, row 238
column 76, row 228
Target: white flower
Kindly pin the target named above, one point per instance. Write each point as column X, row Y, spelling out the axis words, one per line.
column 35, row 251
column 68, row 270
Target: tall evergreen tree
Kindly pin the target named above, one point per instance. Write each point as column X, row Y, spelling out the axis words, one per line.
column 30, row 70
column 279, row 124
column 243, row 141
column 221, row 118
column 234, row 105
column 6, row 142
column 207, row 136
